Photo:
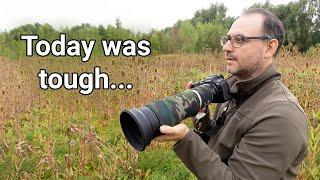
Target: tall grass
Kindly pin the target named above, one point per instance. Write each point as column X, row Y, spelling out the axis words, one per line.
column 62, row 134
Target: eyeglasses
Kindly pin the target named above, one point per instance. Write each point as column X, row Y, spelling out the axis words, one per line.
column 238, row 40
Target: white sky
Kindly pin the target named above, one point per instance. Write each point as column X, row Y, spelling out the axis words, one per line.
column 138, row 15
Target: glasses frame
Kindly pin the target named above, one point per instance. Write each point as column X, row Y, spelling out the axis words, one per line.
column 243, row 37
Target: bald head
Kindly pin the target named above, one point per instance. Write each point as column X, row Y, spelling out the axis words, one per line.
column 247, row 25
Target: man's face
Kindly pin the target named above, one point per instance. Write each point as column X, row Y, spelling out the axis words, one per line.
column 246, row 61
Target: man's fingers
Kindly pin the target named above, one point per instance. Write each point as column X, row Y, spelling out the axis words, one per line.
column 189, row 84
column 203, row 109
column 163, row 138
column 166, row 129
column 169, row 133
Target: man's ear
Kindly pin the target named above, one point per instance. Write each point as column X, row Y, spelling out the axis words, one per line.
column 271, row 48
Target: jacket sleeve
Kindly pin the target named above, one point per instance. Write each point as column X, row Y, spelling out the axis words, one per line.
column 273, row 141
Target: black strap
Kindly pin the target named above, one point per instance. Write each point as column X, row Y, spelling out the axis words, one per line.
column 214, row 130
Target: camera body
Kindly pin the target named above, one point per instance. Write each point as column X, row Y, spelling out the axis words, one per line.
column 221, row 85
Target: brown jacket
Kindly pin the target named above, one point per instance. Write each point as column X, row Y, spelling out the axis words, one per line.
column 264, row 135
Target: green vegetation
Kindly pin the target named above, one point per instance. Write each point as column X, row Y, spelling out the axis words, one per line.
column 199, row 34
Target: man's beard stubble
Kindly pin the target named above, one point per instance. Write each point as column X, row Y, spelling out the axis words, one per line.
column 250, row 72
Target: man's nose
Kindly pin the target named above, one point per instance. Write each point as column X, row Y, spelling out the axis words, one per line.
column 227, row 46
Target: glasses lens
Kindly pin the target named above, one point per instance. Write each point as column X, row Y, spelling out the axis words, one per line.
column 223, row 41
column 237, row 41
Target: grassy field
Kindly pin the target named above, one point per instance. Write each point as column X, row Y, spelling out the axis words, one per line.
column 62, row 134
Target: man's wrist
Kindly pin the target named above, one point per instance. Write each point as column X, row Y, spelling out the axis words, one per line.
column 184, row 133
column 183, row 139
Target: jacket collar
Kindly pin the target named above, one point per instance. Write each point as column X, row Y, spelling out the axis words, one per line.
column 242, row 90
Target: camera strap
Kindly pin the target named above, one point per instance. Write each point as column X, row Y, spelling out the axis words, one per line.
column 219, row 123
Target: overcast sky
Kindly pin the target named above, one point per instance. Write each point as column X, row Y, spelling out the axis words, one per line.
column 138, row 15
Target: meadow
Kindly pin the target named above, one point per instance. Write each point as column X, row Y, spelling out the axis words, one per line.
column 62, row 134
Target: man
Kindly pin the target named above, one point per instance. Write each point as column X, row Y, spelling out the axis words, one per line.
column 264, row 131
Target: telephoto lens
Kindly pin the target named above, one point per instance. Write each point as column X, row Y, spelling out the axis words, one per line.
column 142, row 125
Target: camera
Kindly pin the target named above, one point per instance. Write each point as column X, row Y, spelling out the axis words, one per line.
column 142, row 125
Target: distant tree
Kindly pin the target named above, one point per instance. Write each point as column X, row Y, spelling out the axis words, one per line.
column 215, row 13
column 209, row 36
column 101, row 31
column 118, row 23
column 187, row 36
column 46, row 31
column 300, row 21
column 315, row 8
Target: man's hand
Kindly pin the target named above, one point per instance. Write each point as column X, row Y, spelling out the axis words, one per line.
column 189, row 84
column 174, row 133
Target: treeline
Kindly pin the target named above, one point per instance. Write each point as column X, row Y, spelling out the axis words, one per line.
column 199, row 34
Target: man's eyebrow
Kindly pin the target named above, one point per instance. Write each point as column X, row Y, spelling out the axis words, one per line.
column 235, row 34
